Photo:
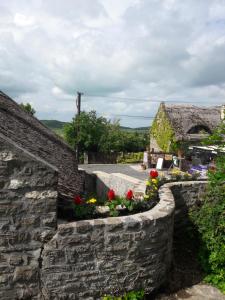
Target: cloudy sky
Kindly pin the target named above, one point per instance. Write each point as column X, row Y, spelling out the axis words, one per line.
column 124, row 55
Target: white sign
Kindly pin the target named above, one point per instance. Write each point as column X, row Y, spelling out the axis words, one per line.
column 159, row 164
column 145, row 158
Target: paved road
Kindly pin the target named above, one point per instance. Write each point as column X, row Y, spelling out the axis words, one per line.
column 131, row 170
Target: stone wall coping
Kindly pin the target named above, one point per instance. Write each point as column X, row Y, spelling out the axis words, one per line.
column 165, row 207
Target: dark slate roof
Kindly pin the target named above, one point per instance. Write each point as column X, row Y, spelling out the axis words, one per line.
column 6, row 103
column 184, row 117
column 30, row 134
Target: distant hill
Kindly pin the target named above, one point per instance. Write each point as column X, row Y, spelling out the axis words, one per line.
column 53, row 124
column 57, row 126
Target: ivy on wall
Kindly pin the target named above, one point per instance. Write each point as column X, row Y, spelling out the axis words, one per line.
column 162, row 131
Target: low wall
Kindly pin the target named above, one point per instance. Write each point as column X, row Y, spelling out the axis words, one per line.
column 186, row 195
column 88, row 259
column 100, row 182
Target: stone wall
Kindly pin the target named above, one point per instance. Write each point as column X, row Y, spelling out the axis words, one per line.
column 28, row 200
column 40, row 259
column 87, row 259
column 30, row 134
column 120, row 183
column 186, row 195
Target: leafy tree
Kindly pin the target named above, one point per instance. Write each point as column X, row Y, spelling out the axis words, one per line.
column 28, row 108
column 86, row 130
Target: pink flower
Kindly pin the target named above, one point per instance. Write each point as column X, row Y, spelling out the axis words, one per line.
column 129, row 195
column 111, row 195
column 153, row 174
column 77, row 200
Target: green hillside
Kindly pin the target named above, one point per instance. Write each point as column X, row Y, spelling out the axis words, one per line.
column 57, row 126
column 53, row 124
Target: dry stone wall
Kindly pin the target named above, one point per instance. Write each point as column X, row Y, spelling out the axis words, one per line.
column 28, row 201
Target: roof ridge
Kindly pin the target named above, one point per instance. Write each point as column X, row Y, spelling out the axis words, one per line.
column 39, row 126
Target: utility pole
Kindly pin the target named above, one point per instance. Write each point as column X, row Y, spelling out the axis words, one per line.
column 78, row 104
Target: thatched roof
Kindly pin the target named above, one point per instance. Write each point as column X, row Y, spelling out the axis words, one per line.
column 184, row 118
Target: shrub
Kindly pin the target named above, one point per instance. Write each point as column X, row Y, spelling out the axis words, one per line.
column 210, row 222
column 134, row 157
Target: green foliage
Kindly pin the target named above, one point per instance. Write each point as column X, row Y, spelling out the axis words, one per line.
column 86, row 130
column 113, row 211
column 129, row 158
column 133, row 295
column 83, row 211
column 28, row 108
column 97, row 134
column 210, row 220
column 162, row 131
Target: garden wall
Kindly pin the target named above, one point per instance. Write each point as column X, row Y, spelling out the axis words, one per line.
column 28, row 201
column 87, row 259
column 186, row 195
column 120, row 183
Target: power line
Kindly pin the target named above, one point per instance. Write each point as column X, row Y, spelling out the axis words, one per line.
column 140, row 117
column 147, row 99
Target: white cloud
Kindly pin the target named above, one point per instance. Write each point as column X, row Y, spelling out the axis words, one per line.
column 149, row 49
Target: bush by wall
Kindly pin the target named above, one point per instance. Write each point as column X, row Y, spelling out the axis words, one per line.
column 126, row 158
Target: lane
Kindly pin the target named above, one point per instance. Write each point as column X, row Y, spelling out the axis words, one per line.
column 130, row 170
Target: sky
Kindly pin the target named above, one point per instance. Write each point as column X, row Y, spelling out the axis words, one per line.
column 125, row 56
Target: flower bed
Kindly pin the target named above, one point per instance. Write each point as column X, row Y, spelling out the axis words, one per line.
column 114, row 205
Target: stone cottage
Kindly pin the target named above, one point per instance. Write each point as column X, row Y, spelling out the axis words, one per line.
column 31, row 135
column 176, row 125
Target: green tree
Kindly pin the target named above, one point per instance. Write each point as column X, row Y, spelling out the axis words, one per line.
column 28, row 108
column 86, row 130
column 113, row 138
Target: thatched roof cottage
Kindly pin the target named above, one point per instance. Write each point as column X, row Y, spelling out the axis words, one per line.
column 177, row 124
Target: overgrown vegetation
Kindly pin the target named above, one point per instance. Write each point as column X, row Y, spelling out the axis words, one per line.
column 28, row 108
column 162, row 132
column 210, row 218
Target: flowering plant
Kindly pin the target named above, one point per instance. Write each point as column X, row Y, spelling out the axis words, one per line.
column 152, row 185
column 124, row 202
column 83, row 208
column 154, row 173
column 111, row 195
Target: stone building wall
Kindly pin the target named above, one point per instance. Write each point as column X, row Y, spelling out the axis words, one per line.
column 28, row 200
column 30, row 134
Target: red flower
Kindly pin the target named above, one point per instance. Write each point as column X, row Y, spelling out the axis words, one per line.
column 129, row 195
column 111, row 195
column 153, row 174
column 77, row 200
